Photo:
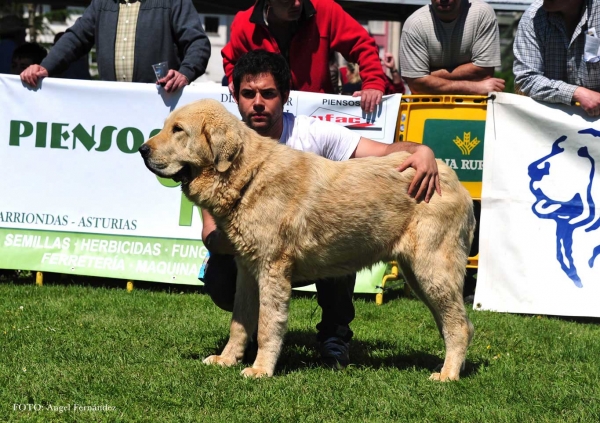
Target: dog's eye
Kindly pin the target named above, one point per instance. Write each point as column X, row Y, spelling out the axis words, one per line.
column 177, row 128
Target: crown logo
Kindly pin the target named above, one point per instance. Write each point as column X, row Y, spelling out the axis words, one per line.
column 467, row 144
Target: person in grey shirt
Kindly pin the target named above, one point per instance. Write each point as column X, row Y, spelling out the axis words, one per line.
column 130, row 36
column 451, row 47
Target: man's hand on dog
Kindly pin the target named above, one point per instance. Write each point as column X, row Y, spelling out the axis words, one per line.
column 427, row 179
column 33, row 74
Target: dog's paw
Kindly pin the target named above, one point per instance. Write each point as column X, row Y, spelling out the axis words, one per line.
column 220, row 360
column 440, row 378
column 254, row 373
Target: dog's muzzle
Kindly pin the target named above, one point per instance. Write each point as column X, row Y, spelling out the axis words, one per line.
column 183, row 175
column 145, row 151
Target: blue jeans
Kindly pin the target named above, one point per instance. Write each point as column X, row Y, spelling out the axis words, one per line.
column 334, row 296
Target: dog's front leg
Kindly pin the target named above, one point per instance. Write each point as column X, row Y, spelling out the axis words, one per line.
column 243, row 320
column 275, row 291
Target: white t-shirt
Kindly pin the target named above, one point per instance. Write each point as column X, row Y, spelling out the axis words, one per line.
column 326, row 139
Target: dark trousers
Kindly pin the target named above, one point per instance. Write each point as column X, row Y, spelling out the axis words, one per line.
column 470, row 280
column 334, row 296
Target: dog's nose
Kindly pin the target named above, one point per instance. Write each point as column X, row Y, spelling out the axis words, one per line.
column 144, row 150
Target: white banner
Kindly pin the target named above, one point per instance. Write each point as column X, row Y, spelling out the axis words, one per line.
column 76, row 196
column 540, row 219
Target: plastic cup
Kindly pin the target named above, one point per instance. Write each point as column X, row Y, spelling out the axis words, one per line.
column 160, row 70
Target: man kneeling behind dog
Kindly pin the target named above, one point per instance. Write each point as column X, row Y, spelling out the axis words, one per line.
column 294, row 217
column 261, row 88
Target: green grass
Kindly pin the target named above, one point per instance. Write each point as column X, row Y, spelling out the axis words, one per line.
column 141, row 352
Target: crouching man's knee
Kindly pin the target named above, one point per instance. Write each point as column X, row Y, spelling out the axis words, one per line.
column 219, row 280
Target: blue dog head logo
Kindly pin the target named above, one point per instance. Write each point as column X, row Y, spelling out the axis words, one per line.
column 570, row 208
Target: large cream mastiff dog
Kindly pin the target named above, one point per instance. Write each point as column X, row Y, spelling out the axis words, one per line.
column 294, row 216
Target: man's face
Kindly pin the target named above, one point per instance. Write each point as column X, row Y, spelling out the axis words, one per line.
column 446, row 10
column 561, row 6
column 286, row 10
column 260, row 103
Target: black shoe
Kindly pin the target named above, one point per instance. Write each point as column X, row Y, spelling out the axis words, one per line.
column 335, row 353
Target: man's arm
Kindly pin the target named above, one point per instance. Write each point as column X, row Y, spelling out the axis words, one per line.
column 432, row 84
column 190, row 39
column 213, row 238
column 77, row 41
column 466, row 72
column 353, row 42
column 426, row 180
column 529, row 67
column 397, row 82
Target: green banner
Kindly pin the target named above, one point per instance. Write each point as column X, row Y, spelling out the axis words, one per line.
column 459, row 143
column 112, row 256
column 122, row 257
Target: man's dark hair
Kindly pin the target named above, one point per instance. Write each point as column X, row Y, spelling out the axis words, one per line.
column 258, row 62
column 33, row 51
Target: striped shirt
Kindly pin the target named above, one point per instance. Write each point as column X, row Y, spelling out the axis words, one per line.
column 548, row 65
column 125, row 39
column 428, row 44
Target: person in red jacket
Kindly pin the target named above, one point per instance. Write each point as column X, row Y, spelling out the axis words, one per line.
column 393, row 85
column 305, row 32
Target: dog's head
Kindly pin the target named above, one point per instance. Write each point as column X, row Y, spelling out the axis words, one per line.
column 562, row 194
column 199, row 135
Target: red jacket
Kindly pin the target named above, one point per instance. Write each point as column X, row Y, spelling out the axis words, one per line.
column 323, row 27
column 391, row 88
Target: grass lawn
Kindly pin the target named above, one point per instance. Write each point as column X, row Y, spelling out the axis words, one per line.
column 140, row 354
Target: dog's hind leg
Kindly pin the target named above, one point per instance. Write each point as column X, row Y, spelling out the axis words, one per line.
column 275, row 292
column 243, row 320
column 437, row 278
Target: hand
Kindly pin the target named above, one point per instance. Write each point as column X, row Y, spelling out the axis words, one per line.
column 490, row 84
column 33, row 74
column 369, row 99
column 173, row 81
column 588, row 100
column 426, row 180
column 388, row 61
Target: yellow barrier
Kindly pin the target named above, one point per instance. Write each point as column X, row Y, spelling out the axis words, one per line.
column 453, row 126
column 393, row 275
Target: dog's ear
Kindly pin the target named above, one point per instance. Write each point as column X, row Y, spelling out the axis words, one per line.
column 226, row 144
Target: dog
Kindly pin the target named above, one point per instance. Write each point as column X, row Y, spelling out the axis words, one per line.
column 564, row 189
column 294, row 216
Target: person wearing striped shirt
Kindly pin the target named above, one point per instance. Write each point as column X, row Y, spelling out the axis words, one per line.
column 550, row 47
column 451, row 47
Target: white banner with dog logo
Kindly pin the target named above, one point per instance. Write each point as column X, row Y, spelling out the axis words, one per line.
column 540, row 219
column 77, row 198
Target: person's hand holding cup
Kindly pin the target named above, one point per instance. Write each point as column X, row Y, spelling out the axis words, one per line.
column 170, row 79
column 160, row 70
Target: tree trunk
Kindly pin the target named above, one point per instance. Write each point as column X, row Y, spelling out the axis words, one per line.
column 32, row 29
